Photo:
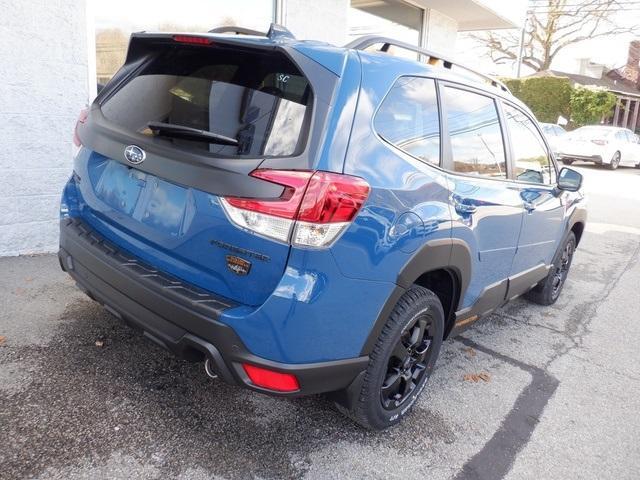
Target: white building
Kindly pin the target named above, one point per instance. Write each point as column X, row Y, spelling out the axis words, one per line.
column 49, row 61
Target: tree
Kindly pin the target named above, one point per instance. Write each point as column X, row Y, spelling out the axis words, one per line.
column 552, row 25
column 547, row 97
column 590, row 106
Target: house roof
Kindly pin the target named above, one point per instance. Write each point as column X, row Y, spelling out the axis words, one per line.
column 613, row 85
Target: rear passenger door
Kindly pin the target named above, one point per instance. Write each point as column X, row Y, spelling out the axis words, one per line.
column 486, row 207
column 535, row 174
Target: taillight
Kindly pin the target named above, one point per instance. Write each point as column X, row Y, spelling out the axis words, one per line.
column 312, row 211
column 193, row 39
column 598, row 141
column 84, row 113
column 272, row 380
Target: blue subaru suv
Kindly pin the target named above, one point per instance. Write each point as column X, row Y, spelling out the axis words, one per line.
column 307, row 219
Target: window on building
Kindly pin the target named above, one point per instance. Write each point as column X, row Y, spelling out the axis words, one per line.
column 408, row 118
column 394, row 19
column 117, row 19
column 530, row 156
column 474, row 129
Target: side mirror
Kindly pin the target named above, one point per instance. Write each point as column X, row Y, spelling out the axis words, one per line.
column 569, row 180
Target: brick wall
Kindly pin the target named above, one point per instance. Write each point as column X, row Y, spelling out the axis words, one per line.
column 43, row 85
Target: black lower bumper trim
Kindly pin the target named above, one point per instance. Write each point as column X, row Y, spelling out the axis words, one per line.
column 180, row 317
column 585, row 158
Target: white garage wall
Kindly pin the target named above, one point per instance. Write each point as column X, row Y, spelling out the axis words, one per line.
column 43, row 86
column 324, row 20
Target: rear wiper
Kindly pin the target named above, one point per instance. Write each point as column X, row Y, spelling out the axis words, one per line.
column 180, row 131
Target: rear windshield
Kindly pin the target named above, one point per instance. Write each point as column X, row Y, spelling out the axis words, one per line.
column 259, row 99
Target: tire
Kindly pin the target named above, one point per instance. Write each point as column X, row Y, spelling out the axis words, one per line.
column 549, row 289
column 414, row 330
column 615, row 161
column 566, row 161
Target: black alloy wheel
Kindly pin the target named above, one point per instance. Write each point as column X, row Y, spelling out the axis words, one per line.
column 407, row 363
column 561, row 269
column 400, row 362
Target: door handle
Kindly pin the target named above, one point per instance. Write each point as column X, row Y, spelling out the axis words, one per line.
column 529, row 207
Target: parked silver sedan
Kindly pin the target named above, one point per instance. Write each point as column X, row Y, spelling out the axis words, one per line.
column 553, row 133
column 602, row 145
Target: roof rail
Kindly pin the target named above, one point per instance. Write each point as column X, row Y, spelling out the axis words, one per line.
column 368, row 40
column 275, row 31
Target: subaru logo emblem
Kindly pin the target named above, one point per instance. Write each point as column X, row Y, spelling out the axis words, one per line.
column 134, row 154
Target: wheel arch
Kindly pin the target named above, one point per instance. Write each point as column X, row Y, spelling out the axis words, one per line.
column 443, row 266
column 578, row 228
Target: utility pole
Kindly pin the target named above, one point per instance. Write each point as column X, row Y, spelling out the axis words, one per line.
column 521, row 48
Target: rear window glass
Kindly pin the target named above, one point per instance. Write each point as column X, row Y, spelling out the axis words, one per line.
column 260, row 100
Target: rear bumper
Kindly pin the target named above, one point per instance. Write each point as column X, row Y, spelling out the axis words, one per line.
column 180, row 317
column 585, row 158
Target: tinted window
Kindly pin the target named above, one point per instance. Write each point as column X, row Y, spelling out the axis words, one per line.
column 530, row 157
column 622, row 136
column 259, row 99
column 548, row 130
column 408, row 118
column 474, row 129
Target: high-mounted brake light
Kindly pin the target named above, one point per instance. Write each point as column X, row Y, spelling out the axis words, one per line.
column 82, row 117
column 276, row 381
column 598, row 141
column 193, row 39
column 312, row 211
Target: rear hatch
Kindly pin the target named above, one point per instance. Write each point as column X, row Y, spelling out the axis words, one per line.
column 179, row 128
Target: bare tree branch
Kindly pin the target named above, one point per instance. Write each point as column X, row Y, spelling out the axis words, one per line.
column 552, row 26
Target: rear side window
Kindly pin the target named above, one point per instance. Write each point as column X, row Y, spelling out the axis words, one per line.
column 530, row 157
column 474, row 129
column 258, row 99
column 408, row 118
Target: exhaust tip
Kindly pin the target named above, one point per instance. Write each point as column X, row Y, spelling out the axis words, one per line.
column 209, row 371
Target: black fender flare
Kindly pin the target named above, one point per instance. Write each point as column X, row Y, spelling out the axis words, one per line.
column 450, row 254
column 578, row 215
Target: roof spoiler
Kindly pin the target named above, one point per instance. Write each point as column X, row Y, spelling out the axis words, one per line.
column 276, row 32
column 368, row 40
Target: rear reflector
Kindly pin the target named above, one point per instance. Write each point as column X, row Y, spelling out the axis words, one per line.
column 276, row 381
column 312, row 211
column 193, row 40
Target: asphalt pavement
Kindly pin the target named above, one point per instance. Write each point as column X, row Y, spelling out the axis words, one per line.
column 529, row 392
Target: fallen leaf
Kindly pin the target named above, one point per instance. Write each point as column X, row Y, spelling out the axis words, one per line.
column 2, row 339
column 470, row 351
column 476, row 377
column 99, row 343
